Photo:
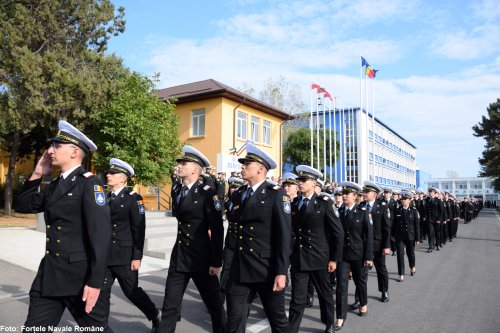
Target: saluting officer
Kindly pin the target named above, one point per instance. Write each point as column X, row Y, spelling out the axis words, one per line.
column 357, row 254
column 261, row 262
column 318, row 241
column 128, row 231
column 406, row 233
column 77, row 219
column 380, row 217
column 195, row 255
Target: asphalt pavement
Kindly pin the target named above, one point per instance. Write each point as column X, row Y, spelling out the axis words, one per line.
column 455, row 290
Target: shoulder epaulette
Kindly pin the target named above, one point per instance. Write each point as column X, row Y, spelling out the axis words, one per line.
column 207, row 187
column 88, row 174
column 132, row 192
column 363, row 208
column 276, row 187
column 383, row 203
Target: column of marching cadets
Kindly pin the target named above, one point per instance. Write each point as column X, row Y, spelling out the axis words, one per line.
column 298, row 233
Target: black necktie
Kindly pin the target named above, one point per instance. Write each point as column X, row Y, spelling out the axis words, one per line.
column 305, row 201
column 249, row 194
column 369, row 208
column 347, row 211
column 111, row 196
column 182, row 195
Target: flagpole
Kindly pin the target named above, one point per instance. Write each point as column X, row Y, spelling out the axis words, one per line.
column 342, row 143
column 373, row 128
column 324, row 135
column 367, row 169
column 317, row 129
column 311, row 125
column 332, row 165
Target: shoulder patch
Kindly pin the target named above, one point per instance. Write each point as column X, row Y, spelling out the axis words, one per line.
column 217, row 204
column 88, row 175
column 207, row 187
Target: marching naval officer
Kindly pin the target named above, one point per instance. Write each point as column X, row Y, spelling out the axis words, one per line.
column 128, row 230
column 78, row 232
column 380, row 217
column 406, row 233
column 196, row 255
column 230, row 241
column 261, row 260
column 357, row 254
column 318, row 241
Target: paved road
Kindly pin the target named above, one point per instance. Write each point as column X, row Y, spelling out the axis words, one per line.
column 455, row 290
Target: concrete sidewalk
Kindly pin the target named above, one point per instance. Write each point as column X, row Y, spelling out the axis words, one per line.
column 25, row 247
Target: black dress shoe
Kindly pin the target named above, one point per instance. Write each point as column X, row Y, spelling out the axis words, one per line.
column 363, row 314
column 337, row 328
column 429, row 250
column 156, row 321
column 355, row 305
column 330, row 329
column 393, row 254
column 309, row 302
column 385, row 297
column 437, row 248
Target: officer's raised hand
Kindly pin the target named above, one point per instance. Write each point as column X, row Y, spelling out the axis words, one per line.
column 44, row 165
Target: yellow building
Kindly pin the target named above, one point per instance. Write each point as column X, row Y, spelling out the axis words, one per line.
column 23, row 168
column 215, row 118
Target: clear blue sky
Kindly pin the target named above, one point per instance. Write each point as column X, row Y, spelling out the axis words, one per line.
column 439, row 61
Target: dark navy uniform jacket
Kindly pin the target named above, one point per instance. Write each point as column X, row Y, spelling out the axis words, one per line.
column 318, row 235
column 128, row 227
column 264, row 234
column 358, row 234
column 198, row 212
column 434, row 210
column 406, row 224
column 78, row 232
column 381, row 218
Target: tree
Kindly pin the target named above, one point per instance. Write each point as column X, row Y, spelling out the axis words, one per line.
column 489, row 129
column 297, row 148
column 52, row 66
column 283, row 95
column 140, row 129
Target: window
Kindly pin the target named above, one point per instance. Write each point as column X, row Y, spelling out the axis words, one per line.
column 254, row 128
column 198, row 122
column 266, row 135
column 242, row 125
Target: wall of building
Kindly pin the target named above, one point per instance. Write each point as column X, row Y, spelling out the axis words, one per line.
column 385, row 158
column 477, row 187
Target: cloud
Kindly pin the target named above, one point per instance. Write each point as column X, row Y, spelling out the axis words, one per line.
column 313, row 42
column 479, row 42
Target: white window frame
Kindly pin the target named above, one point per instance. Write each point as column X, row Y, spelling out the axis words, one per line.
column 266, row 132
column 254, row 128
column 242, row 125
column 197, row 116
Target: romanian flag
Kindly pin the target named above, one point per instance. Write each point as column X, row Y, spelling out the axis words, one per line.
column 232, row 151
column 315, row 86
column 364, row 62
column 369, row 72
